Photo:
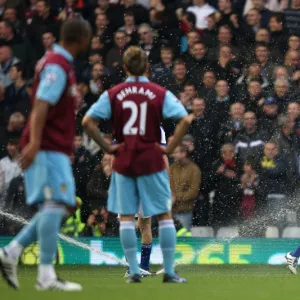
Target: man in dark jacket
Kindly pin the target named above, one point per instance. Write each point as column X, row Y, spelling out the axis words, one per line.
column 249, row 142
column 273, row 188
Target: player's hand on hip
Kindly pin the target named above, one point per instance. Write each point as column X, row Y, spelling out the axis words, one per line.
column 28, row 155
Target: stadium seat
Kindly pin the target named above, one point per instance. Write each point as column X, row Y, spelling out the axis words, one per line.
column 291, row 232
column 228, row 232
column 202, row 231
column 272, row 232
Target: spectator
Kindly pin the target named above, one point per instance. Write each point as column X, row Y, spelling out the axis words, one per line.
column 273, row 185
column 227, row 199
column 185, row 179
column 43, row 21
column 163, row 69
column 30, row 11
column 9, row 167
column 262, row 56
column 197, row 62
column 292, row 62
column 208, row 84
column 20, row 47
column 248, row 30
column 141, row 14
column 149, row 44
column 293, row 111
column 12, row 131
column 229, row 130
column 70, row 11
column 282, row 94
column 201, row 9
column 268, row 119
column 16, row 94
column 6, row 61
column 249, row 185
column 294, row 42
column 188, row 94
column 225, row 38
column 81, row 164
column 10, row 15
column 114, row 13
column 48, row 41
column 219, row 103
column 101, row 224
column 250, row 141
column 175, row 83
column 283, row 138
column 192, row 37
column 226, row 67
column 278, row 34
column 209, row 36
column 97, row 187
column 96, row 82
column 130, row 28
column 225, row 15
column 204, row 129
column 114, row 58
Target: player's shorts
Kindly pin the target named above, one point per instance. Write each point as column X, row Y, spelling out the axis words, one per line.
column 50, row 178
column 149, row 193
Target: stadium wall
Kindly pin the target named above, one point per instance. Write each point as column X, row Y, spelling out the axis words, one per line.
column 188, row 251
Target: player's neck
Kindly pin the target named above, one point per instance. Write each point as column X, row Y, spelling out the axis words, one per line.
column 70, row 48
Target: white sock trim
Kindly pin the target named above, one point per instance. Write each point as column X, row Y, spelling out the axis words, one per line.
column 166, row 224
column 46, row 273
column 127, row 225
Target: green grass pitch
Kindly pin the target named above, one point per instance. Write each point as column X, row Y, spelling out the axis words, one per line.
column 253, row 282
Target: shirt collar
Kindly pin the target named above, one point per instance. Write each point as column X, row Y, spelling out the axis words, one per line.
column 62, row 51
column 137, row 78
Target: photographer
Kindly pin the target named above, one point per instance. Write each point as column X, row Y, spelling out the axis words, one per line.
column 102, row 224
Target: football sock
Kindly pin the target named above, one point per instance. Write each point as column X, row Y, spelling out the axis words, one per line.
column 296, row 252
column 145, row 256
column 167, row 240
column 24, row 238
column 48, row 229
column 129, row 244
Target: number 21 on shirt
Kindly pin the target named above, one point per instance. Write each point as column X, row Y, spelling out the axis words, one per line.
column 129, row 128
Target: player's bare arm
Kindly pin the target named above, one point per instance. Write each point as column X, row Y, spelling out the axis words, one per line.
column 91, row 128
column 38, row 119
column 179, row 133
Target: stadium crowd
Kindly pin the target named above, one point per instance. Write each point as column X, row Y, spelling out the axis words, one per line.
column 234, row 63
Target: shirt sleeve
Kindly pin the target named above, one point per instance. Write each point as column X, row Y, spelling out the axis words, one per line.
column 172, row 107
column 101, row 109
column 53, row 81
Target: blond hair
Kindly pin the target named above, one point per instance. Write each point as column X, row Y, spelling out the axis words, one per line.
column 135, row 60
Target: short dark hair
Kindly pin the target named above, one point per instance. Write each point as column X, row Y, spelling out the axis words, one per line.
column 179, row 62
column 262, row 44
column 166, row 48
column 201, row 43
column 19, row 66
column 191, row 17
column 14, row 141
column 73, row 30
column 278, row 16
column 191, row 83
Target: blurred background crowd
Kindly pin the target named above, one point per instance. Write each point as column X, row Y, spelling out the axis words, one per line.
column 234, row 63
